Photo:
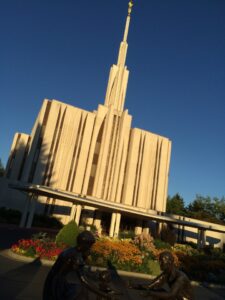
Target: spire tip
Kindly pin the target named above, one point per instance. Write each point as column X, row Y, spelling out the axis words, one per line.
column 130, row 5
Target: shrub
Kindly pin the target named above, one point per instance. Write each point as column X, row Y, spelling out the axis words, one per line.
column 159, row 244
column 43, row 237
column 13, row 216
column 168, row 234
column 8, row 215
column 153, row 267
column 127, row 234
column 123, row 254
column 145, row 242
column 68, row 234
column 199, row 266
column 46, row 221
column 186, row 249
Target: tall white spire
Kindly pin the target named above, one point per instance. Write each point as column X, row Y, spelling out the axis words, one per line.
column 118, row 77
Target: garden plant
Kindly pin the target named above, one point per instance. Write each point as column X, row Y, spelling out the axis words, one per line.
column 138, row 254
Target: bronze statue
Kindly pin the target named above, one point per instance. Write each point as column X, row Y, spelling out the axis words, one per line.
column 177, row 281
column 56, row 285
column 105, row 279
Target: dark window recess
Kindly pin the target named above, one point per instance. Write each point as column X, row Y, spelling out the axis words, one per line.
column 39, row 143
column 46, row 209
column 12, row 157
column 90, row 185
column 52, row 207
column 99, row 138
column 49, row 165
column 24, row 158
column 95, row 159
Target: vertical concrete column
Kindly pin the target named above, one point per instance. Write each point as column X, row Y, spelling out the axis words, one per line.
column 138, row 228
column 25, row 211
column 146, row 229
column 97, row 221
column 31, row 211
column 117, row 225
column 201, row 238
column 73, row 212
column 89, row 219
column 77, row 214
column 158, row 229
column 183, row 236
column 112, row 225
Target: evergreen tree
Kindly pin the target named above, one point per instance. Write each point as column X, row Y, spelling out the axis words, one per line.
column 175, row 205
column 207, row 209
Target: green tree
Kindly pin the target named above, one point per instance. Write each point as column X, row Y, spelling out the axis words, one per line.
column 219, row 208
column 207, row 209
column 2, row 169
column 175, row 205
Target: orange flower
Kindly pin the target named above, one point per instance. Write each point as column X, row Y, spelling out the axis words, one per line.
column 122, row 252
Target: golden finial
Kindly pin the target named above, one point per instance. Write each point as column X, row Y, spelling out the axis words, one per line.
column 130, row 5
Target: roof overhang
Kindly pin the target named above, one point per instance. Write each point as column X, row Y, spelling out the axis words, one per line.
column 75, row 198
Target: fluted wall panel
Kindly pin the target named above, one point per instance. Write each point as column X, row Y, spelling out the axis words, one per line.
column 98, row 154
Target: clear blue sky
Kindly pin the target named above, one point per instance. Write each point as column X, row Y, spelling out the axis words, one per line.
column 176, row 57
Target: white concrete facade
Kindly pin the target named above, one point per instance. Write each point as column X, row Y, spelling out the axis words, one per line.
column 94, row 153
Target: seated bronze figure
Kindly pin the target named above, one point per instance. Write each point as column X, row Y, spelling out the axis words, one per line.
column 179, row 286
column 56, row 285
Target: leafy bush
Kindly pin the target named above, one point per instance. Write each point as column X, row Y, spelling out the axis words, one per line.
column 145, row 242
column 30, row 252
column 127, row 234
column 46, row 222
column 159, row 244
column 43, row 237
column 68, row 234
column 153, row 267
column 123, row 254
column 186, row 249
column 13, row 216
column 168, row 234
column 202, row 267
column 126, row 255
column 8, row 215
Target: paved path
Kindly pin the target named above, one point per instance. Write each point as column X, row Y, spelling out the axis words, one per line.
column 24, row 281
column 19, row 280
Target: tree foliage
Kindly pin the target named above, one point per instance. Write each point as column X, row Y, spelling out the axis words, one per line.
column 201, row 208
column 175, row 205
column 208, row 209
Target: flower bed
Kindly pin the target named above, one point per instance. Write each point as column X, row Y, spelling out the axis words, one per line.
column 37, row 248
column 122, row 253
column 135, row 255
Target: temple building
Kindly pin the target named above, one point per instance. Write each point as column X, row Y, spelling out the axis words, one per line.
column 94, row 154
